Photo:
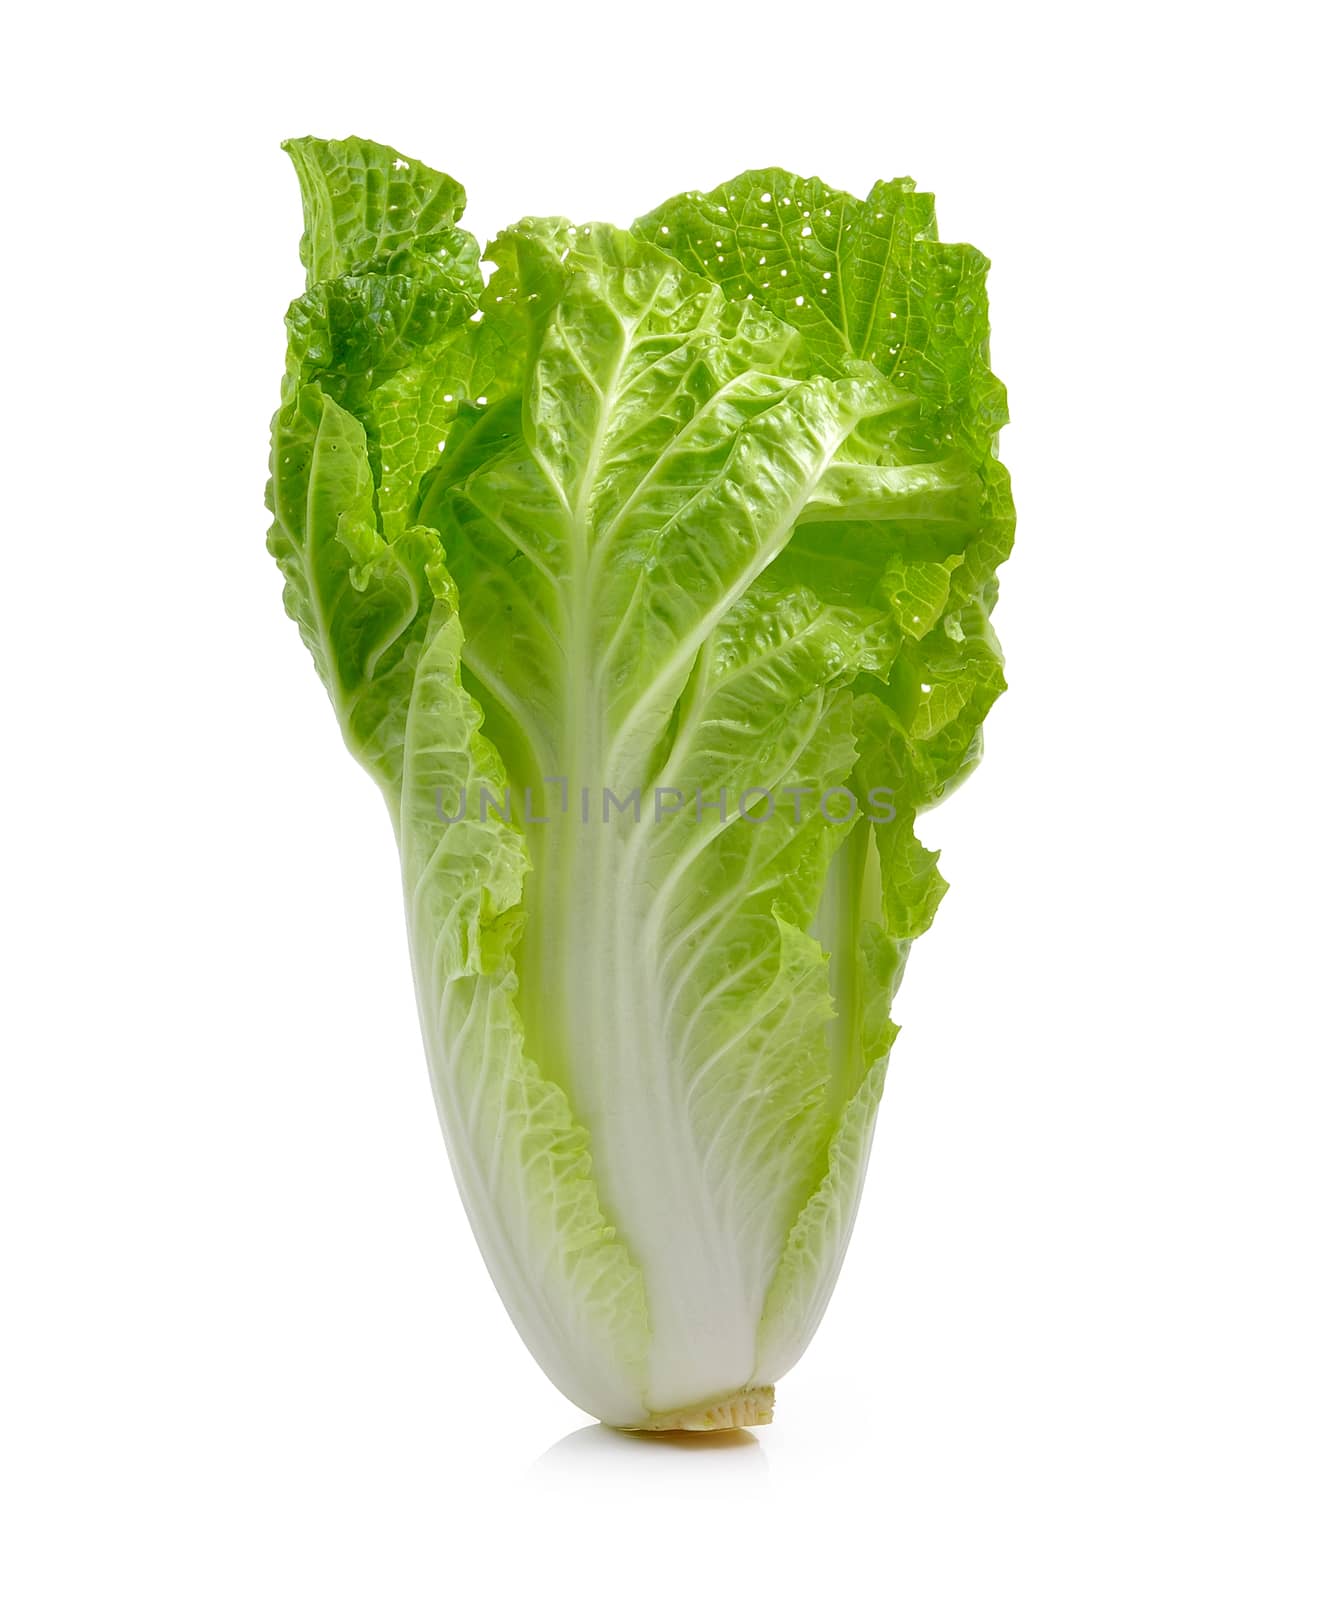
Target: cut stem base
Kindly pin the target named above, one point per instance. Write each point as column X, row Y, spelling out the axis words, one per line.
column 746, row 1408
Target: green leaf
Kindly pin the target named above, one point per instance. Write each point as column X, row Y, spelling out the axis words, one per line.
column 860, row 279
column 523, row 1162
column 393, row 287
column 364, row 204
column 350, row 333
column 361, row 604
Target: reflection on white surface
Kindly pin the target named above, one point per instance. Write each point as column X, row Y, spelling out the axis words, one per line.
column 730, row 1453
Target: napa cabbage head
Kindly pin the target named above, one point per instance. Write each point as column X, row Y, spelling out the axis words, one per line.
column 649, row 575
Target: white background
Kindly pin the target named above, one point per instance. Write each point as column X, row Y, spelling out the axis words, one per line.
column 249, row 1346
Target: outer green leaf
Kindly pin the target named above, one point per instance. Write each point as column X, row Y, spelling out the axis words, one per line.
column 861, row 279
column 364, row 204
column 361, row 604
column 350, row 333
column 867, row 280
column 522, row 1161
